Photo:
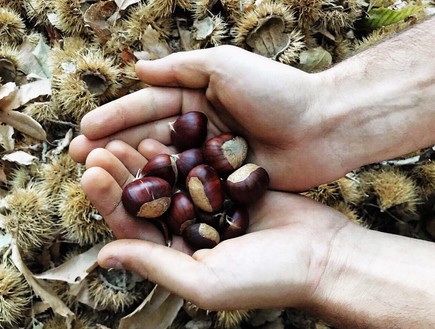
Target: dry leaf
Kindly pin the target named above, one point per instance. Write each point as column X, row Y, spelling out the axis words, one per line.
column 23, row 123
column 20, row 157
column 76, row 269
column 7, row 91
column 26, row 93
column 96, row 17
column 157, row 311
column 29, row 62
column 41, row 288
column 269, row 39
column 6, row 139
column 42, row 54
column 123, row 4
column 315, row 59
column 203, row 28
column 154, row 46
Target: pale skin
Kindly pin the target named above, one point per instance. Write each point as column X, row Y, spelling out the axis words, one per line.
column 305, row 129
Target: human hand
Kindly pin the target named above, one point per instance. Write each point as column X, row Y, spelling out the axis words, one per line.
column 274, row 106
column 276, row 264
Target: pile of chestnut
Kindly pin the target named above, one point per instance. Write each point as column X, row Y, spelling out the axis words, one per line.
column 201, row 193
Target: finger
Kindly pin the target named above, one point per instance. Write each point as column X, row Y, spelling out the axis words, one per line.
column 81, row 146
column 150, row 148
column 104, row 193
column 149, row 105
column 175, row 270
column 107, row 161
column 131, row 158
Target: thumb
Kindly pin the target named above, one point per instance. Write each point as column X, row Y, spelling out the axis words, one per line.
column 170, row 268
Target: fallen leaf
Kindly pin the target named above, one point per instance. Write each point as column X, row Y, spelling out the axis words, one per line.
column 29, row 62
column 41, row 288
column 25, row 93
column 157, row 311
column 96, row 17
column 20, row 157
column 269, row 38
column 42, row 54
column 315, row 59
column 153, row 45
column 24, row 123
column 124, row 4
column 74, row 270
column 203, row 28
column 6, row 139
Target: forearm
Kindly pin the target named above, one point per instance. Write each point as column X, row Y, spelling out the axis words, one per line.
column 382, row 104
column 377, row 280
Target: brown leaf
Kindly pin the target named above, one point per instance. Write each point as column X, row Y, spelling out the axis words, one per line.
column 23, row 123
column 269, row 39
column 6, row 139
column 96, row 17
column 41, row 288
column 74, row 270
column 157, row 311
column 154, row 46
column 24, row 94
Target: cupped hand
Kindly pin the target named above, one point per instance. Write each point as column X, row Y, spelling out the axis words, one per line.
column 277, row 108
column 278, row 263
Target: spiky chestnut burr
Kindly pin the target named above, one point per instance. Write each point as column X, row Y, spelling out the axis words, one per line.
column 147, row 197
column 10, row 63
column 79, row 221
column 116, row 290
column 12, row 27
column 15, row 296
column 30, row 218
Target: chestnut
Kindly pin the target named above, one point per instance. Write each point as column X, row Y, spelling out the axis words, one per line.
column 185, row 162
column 215, row 219
column 205, row 188
column 162, row 166
column 225, row 152
column 181, row 213
column 237, row 222
column 189, row 130
column 200, row 236
column 147, row 197
column 247, row 184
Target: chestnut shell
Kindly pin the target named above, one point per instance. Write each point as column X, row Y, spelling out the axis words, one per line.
column 189, row 130
column 147, row 197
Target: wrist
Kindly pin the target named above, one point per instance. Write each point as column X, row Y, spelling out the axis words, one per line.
column 376, row 280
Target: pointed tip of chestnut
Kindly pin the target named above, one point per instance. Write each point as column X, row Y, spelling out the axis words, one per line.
column 247, row 184
column 237, row 222
column 189, row 130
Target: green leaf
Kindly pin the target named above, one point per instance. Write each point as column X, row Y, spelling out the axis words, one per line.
column 378, row 17
column 42, row 53
column 315, row 59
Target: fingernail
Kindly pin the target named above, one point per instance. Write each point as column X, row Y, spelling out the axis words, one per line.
column 113, row 263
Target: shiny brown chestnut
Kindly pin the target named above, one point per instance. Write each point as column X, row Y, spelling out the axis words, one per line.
column 237, row 222
column 247, row 184
column 185, row 162
column 201, row 236
column 181, row 213
column 215, row 219
column 189, row 130
column 225, row 152
column 147, row 197
column 205, row 188
column 162, row 166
